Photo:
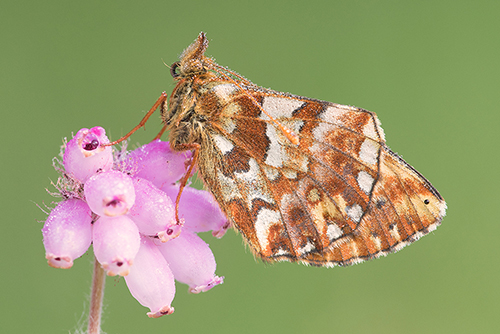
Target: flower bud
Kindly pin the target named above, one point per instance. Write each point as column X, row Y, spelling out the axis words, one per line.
column 151, row 281
column 110, row 193
column 84, row 154
column 67, row 233
column 116, row 242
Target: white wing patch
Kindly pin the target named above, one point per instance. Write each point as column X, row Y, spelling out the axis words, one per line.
column 223, row 144
column 368, row 152
column 307, row 248
column 275, row 152
column 224, row 91
column 255, row 185
column 354, row 212
column 265, row 219
column 333, row 115
column 333, row 232
column 321, row 130
column 228, row 187
column 279, row 107
column 365, row 181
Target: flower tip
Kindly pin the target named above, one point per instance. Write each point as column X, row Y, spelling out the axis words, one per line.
column 115, row 206
column 205, row 287
column 170, row 233
column 165, row 310
column 85, row 154
column 220, row 232
column 118, row 266
column 62, row 262
column 109, row 193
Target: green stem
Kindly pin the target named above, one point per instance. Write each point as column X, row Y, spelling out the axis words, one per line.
column 98, row 280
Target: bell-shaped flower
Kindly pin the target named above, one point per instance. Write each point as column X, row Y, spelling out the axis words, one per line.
column 151, row 281
column 206, row 217
column 67, row 233
column 157, row 163
column 110, row 193
column 85, row 154
column 116, row 242
column 153, row 211
column 192, row 262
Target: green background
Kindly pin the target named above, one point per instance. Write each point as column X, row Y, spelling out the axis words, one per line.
column 429, row 69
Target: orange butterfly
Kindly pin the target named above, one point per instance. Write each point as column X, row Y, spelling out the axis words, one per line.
column 303, row 180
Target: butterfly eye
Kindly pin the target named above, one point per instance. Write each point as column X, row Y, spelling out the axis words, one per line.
column 173, row 69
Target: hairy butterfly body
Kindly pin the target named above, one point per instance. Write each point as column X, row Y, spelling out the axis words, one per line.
column 303, row 180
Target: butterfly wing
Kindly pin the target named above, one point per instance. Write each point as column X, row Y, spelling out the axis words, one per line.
column 338, row 197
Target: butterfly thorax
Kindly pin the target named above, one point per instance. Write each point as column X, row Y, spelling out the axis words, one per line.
column 199, row 96
column 195, row 100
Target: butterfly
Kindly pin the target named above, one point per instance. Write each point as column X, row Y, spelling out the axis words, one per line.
column 303, row 180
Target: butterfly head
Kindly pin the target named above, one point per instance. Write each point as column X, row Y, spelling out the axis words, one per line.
column 193, row 60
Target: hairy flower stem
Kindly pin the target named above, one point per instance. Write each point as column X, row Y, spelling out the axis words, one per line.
column 98, row 280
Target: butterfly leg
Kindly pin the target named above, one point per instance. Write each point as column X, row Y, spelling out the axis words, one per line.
column 161, row 99
column 162, row 131
column 194, row 159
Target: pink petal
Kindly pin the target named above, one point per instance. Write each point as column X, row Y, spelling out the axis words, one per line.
column 116, row 242
column 84, row 154
column 67, row 233
column 199, row 210
column 192, row 261
column 151, row 281
column 110, row 193
column 153, row 211
column 157, row 163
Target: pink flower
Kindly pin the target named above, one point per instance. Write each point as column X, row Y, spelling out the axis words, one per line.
column 191, row 261
column 157, row 163
column 110, row 193
column 85, row 155
column 151, row 267
column 126, row 208
column 116, row 242
column 154, row 212
column 67, row 233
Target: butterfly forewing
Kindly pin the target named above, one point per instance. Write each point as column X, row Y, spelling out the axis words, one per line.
column 301, row 179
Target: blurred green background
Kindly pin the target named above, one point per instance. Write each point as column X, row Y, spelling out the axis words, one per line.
column 429, row 69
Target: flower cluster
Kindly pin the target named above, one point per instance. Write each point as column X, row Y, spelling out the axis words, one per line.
column 124, row 205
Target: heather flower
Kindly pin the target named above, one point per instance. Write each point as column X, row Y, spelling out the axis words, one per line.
column 125, row 206
column 207, row 216
column 157, row 163
column 151, row 267
column 153, row 212
column 116, row 242
column 67, row 233
column 110, row 193
column 191, row 261
column 85, row 154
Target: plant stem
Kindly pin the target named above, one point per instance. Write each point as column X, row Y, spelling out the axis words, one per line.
column 98, row 280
